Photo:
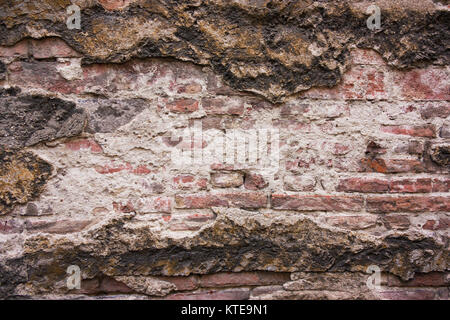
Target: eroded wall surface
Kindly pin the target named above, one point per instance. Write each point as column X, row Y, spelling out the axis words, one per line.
column 103, row 165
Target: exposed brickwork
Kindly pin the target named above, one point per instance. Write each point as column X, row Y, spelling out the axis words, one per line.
column 365, row 162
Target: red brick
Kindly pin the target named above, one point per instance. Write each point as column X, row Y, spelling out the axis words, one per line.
column 373, row 149
column 411, row 186
column 432, row 279
column 89, row 286
column 189, row 182
column 52, row 48
column 366, row 56
column 58, row 227
column 299, row 183
column 254, row 181
column 116, row 167
column 441, row 185
column 392, row 165
column 20, row 49
column 422, row 204
column 30, row 74
column 316, row 203
column 409, row 294
column 182, row 283
column 340, row 149
column 125, row 208
column 191, row 88
column 240, row 200
column 183, row 106
column 200, row 217
column 426, row 131
column 111, row 285
column 80, row 144
column 360, row 82
column 423, row 84
column 397, row 222
column 154, row 205
column 441, row 224
column 369, row 185
column 230, row 279
column 223, row 106
column 293, row 109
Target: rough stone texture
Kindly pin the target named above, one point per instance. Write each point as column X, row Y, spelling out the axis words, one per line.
column 95, row 122
column 22, row 178
column 274, row 48
column 30, row 119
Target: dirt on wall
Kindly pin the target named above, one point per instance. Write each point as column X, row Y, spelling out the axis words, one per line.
column 133, row 148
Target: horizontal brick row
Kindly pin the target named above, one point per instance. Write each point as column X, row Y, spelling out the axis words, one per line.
column 379, row 185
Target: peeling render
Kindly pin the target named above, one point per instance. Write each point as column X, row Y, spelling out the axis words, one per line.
column 91, row 119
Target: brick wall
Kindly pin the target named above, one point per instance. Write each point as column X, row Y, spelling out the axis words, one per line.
column 368, row 158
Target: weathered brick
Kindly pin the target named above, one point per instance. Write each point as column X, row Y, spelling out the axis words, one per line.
column 432, row 110
column 396, row 221
column 426, row 131
column 228, row 106
column 183, row 106
column 200, row 217
column 118, row 167
column 20, row 49
column 182, row 283
column 240, row 200
column 111, row 285
column 359, row 222
column 123, row 207
column 265, row 290
column 360, row 82
column 227, row 179
column 432, row 279
column 154, row 205
column 369, row 185
column 253, row 181
column 441, row 185
column 191, row 88
column 439, row 224
column 410, row 147
column 80, row 144
column 52, row 48
column 445, row 130
column 58, row 227
column 299, row 183
column 316, row 203
column 411, row 185
column 189, row 182
column 392, row 165
column 410, row 294
column 382, row 204
column 422, row 84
